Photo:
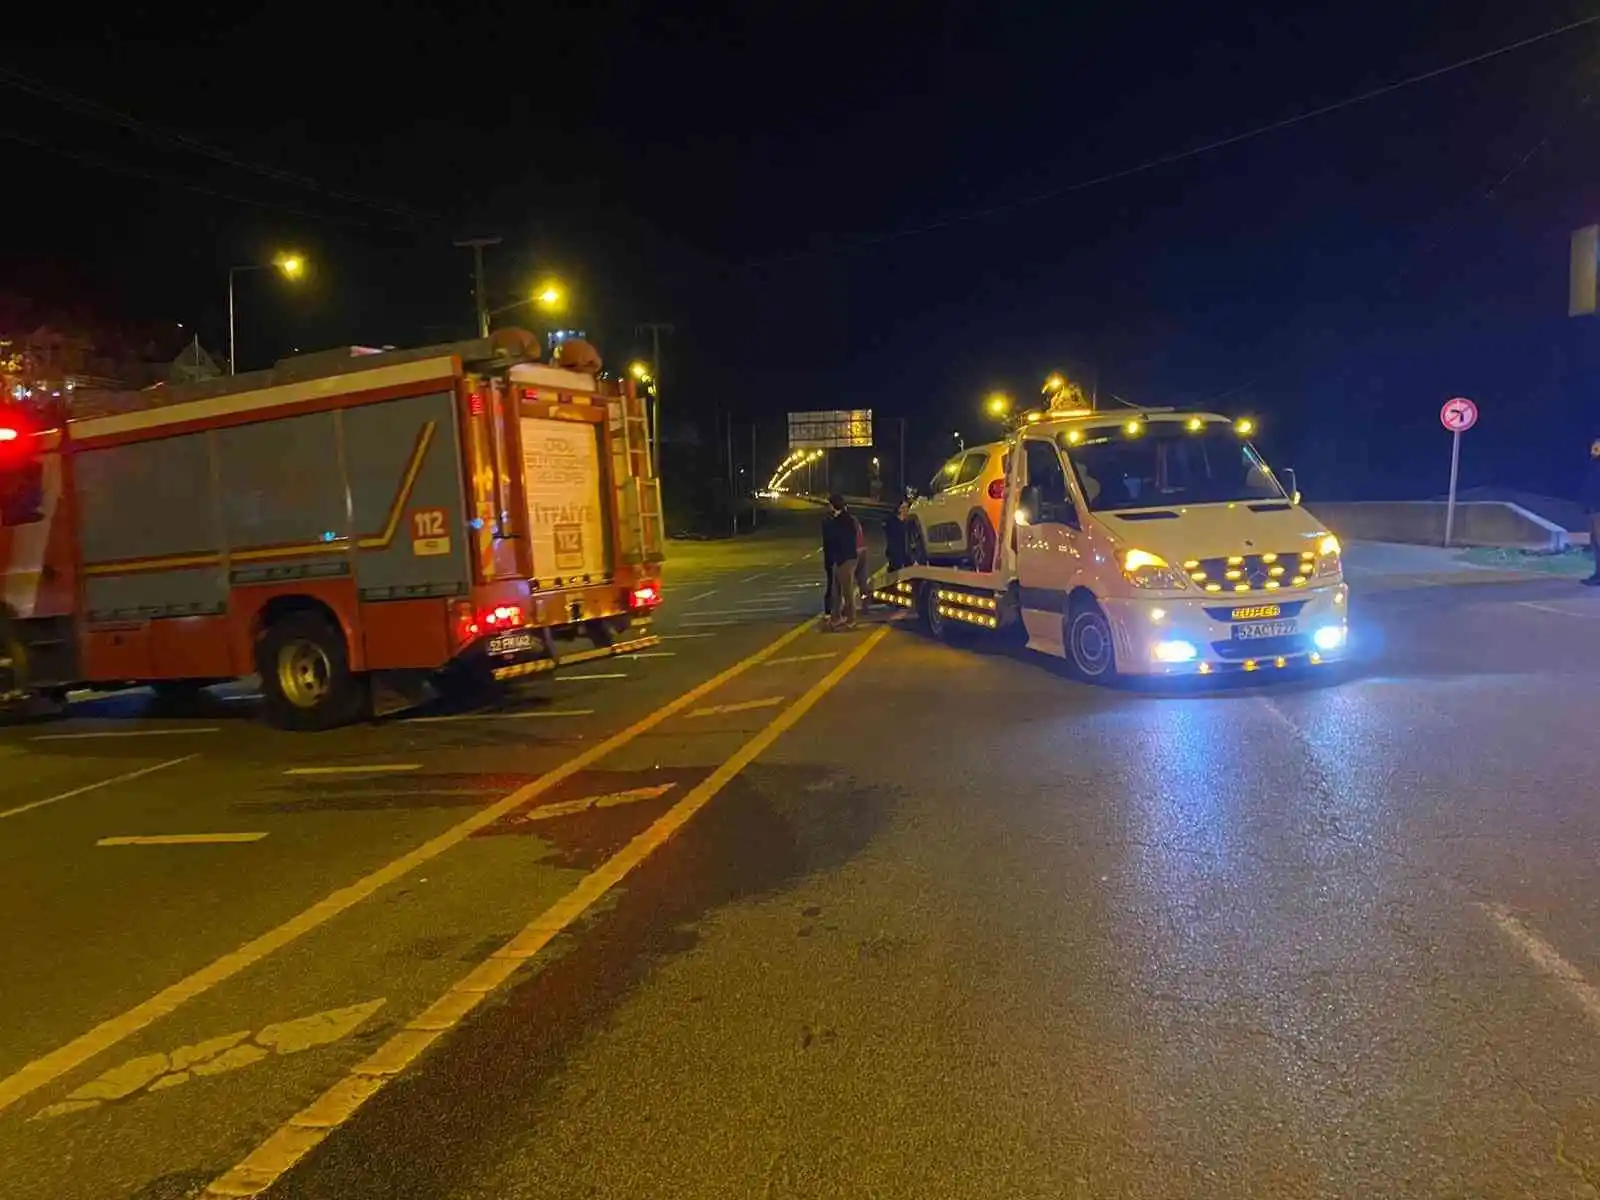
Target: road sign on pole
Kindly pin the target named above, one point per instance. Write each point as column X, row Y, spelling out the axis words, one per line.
column 1458, row 416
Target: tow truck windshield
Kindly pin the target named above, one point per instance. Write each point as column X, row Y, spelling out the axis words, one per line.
column 1163, row 463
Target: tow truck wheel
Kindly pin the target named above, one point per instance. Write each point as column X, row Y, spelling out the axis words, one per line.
column 981, row 542
column 1090, row 650
column 306, row 682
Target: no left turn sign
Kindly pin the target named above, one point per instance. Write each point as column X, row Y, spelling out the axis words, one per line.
column 1458, row 415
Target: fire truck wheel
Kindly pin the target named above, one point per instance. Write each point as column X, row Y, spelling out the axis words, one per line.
column 306, row 682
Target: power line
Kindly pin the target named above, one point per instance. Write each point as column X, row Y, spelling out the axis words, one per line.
column 183, row 141
column 105, row 164
column 1177, row 156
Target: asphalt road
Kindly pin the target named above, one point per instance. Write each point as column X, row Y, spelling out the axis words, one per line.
column 785, row 913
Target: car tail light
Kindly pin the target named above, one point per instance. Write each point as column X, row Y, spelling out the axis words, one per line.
column 646, row 595
column 997, row 490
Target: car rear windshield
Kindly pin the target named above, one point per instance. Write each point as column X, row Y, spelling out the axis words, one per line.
column 1166, row 464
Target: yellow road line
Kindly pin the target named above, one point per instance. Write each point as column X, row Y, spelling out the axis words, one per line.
column 110, row 1032
column 180, row 839
column 302, row 1133
column 94, row 787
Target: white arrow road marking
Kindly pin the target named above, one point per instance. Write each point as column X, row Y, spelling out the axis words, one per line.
column 563, row 808
column 214, row 1056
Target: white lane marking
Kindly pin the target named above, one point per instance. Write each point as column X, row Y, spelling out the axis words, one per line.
column 90, row 787
column 753, row 578
column 602, row 675
column 122, row 733
column 180, row 839
column 362, row 769
column 742, row 706
column 1560, row 612
column 704, row 625
column 763, row 608
column 1547, row 958
column 562, row 808
column 794, row 658
column 680, row 637
column 701, row 596
column 504, row 716
column 654, row 654
column 213, row 1056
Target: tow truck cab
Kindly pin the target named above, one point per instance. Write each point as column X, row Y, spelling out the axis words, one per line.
column 1157, row 542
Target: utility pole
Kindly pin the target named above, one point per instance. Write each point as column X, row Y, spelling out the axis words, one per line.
column 478, row 294
column 656, row 329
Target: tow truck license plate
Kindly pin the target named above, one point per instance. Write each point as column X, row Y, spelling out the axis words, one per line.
column 1262, row 629
column 511, row 643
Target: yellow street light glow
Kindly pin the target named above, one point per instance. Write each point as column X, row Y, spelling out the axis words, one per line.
column 1244, row 426
column 549, row 295
column 1055, row 383
column 641, row 372
column 292, row 265
column 999, row 404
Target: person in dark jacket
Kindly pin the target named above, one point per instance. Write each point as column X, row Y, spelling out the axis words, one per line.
column 897, row 538
column 839, row 534
column 1591, row 505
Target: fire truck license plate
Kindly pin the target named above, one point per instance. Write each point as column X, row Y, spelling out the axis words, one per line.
column 1262, row 629
column 511, row 643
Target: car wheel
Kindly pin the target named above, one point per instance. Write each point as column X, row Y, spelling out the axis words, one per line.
column 981, row 542
column 306, row 681
column 916, row 543
column 1090, row 650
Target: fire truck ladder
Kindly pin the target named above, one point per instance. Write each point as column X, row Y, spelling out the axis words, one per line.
column 643, row 527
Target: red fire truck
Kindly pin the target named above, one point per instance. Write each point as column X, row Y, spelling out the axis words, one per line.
column 352, row 527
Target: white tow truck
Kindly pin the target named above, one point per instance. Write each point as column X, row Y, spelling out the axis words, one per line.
column 1145, row 542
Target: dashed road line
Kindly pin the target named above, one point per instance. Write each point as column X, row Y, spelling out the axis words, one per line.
column 357, row 769
column 71, row 1055
column 127, row 777
column 799, row 658
column 683, row 637
column 701, row 596
column 654, row 654
column 97, row 734
column 1547, row 958
column 531, row 714
column 742, row 706
column 1560, row 612
column 602, row 675
column 564, row 808
column 180, row 839
column 302, row 1133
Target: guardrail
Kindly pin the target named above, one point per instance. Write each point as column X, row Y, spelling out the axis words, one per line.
column 1421, row 523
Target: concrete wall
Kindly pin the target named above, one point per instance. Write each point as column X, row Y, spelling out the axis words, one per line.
column 1422, row 522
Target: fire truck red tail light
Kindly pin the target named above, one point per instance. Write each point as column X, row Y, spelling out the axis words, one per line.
column 646, row 595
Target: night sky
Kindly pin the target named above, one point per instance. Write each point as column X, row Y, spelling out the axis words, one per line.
column 796, row 189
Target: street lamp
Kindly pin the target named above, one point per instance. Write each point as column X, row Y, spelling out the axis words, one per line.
column 290, row 264
column 641, row 372
column 549, row 296
column 961, row 442
column 998, row 405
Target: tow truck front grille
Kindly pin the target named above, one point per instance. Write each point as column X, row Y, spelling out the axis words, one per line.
column 1264, row 572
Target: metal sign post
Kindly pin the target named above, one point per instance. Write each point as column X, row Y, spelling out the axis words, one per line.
column 1458, row 416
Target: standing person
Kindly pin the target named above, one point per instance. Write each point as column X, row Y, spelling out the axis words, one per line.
column 897, row 538
column 839, row 556
column 1591, row 505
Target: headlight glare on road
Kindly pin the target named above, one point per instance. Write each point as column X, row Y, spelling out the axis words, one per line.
column 1146, row 570
column 1329, row 637
column 1175, row 651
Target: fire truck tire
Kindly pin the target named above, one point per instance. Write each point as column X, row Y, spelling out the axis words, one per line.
column 306, row 681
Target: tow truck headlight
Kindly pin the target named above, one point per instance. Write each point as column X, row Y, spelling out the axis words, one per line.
column 1329, row 637
column 1146, row 570
column 1174, row 651
column 1329, row 555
